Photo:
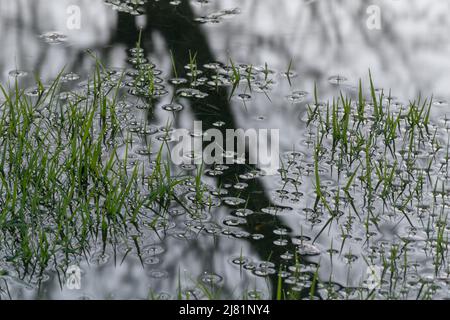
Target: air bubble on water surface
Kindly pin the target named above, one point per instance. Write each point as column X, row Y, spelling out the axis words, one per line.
column 287, row 255
column 85, row 297
column 300, row 240
column 296, row 96
column 440, row 103
column 158, row 274
column 188, row 166
column 17, row 73
column 36, row 91
column 164, row 296
column 151, row 260
column 211, row 278
column 143, row 151
column 264, row 271
column 350, row 258
column 193, row 294
column 337, row 79
column 257, row 236
column 266, row 264
column 172, row 107
column 240, row 260
column 244, row 97
column 250, row 266
column 212, row 65
column 243, row 212
column 307, row 249
column 205, row 20
column 234, row 221
column 99, row 258
column 146, row 66
column 297, row 194
column 53, row 37
column 284, row 274
column 294, row 155
column 153, row 249
column 164, row 137
column 71, row 76
column 274, row 210
column 191, row 93
column 233, row 201
column 178, row 81
column 281, row 231
column 148, row 130
column 294, row 99
column 212, row 228
column 280, row 242
column 164, row 225
column 241, row 234
column 256, row 295
column 185, row 234
column 219, row 124
column 175, row 212
column 136, row 50
column 240, row 186
column 214, row 172
column 290, row 74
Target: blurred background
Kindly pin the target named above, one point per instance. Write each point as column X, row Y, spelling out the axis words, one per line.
column 410, row 53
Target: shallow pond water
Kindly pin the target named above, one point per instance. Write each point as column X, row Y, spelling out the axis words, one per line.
column 358, row 208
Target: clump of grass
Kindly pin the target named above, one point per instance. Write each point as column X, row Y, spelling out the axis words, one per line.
column 64, row 182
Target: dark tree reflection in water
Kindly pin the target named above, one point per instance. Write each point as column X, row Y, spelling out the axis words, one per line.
column 322, row 38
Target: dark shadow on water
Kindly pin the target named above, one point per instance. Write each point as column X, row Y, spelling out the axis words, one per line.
column 183, row 35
